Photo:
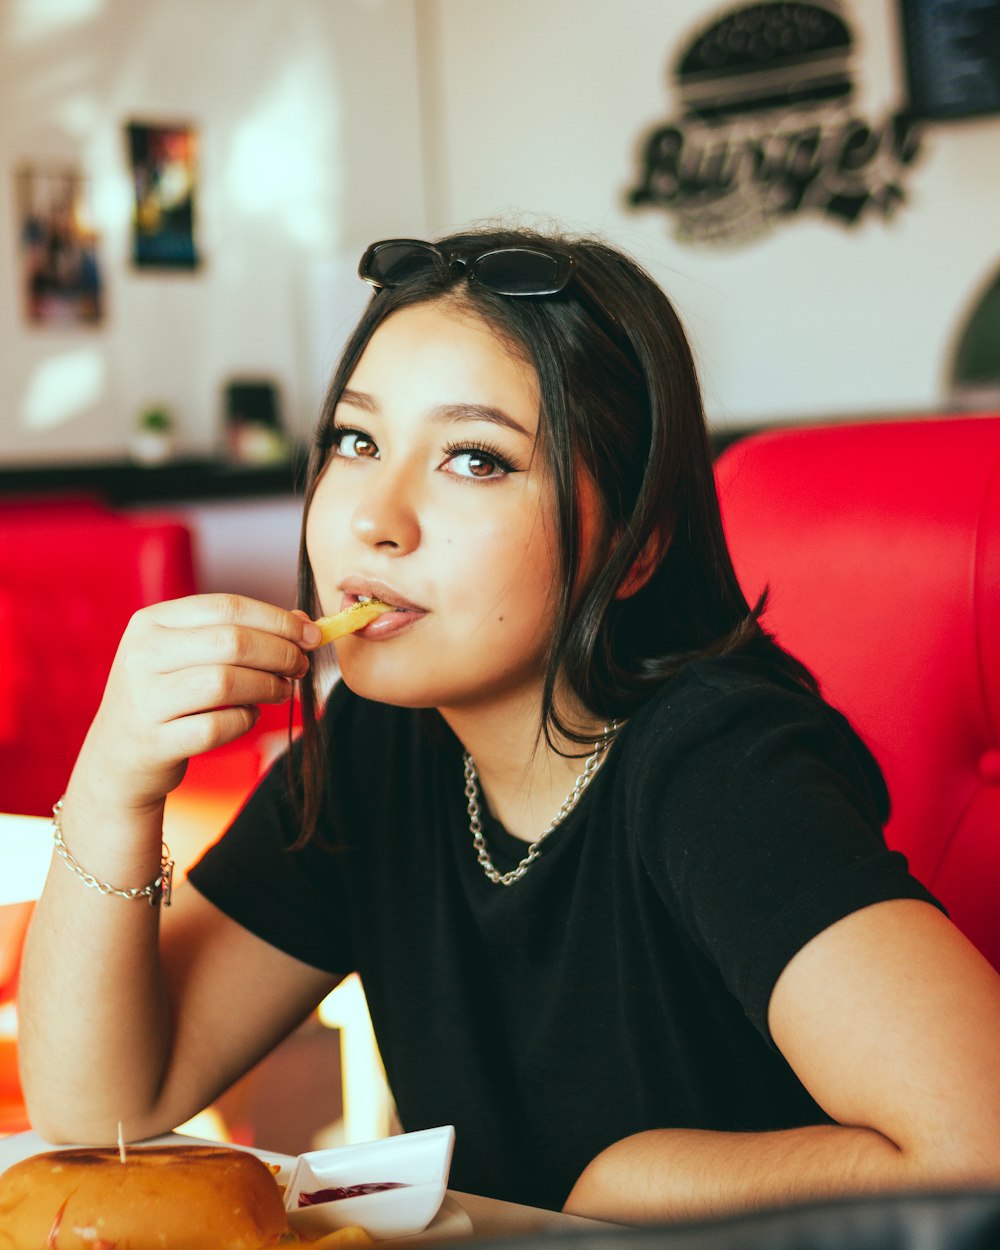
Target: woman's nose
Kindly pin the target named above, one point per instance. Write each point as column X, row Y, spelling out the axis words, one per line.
column 386, row 516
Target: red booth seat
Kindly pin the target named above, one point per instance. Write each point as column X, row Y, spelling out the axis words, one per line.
column 71, row 575
column 881, row 545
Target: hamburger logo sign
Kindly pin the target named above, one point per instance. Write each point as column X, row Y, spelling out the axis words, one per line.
column 767, row 129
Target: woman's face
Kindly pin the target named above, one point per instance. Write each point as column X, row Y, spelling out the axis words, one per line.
column 435, row 499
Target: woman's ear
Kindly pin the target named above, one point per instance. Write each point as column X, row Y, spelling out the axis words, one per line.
column 644, row 565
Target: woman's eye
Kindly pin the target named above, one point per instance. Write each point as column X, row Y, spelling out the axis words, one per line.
column 354, row 445
column 480, row 463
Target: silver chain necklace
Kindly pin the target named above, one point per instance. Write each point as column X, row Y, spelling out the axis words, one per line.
column 590, row 767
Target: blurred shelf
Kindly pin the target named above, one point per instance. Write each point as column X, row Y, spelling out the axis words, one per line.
column 124, row 482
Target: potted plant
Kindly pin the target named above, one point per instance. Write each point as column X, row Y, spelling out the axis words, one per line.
column 154, row 438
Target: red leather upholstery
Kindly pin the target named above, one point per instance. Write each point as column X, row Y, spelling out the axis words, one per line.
column 71, row 575
column 881, row 546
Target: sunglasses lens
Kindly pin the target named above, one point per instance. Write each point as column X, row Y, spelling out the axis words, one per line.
column 521, row 271
column 392, row 263
column 505, row 270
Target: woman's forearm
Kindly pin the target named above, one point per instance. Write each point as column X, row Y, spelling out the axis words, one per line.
column 679, row 1173
column 93, row 1015
column 100, row 1041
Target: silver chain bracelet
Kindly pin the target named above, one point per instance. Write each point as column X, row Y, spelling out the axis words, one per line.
column 158, row 890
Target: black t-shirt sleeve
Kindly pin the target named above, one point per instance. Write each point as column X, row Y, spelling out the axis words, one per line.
column 760, row 819
column 294, row 899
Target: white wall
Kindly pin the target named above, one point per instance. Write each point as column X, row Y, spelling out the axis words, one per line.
column 542, row 109
column 326, row 123
column 243, row 546
column 310, row 142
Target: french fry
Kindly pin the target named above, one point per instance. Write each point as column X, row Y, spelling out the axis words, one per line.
column 356, row 617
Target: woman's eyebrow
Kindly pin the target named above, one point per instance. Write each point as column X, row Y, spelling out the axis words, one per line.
column 358, row 399
column 479, row 412
column 445, row 413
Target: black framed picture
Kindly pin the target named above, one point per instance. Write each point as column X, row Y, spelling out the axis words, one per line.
column 164, row 179
column 951, row 52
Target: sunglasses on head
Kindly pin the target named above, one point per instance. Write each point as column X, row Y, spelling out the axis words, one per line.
column 502, row 270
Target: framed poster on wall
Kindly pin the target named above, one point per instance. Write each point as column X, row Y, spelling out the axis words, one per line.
column 60, row 275
column 164, row 168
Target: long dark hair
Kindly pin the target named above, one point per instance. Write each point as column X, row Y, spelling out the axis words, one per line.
column 620, row 399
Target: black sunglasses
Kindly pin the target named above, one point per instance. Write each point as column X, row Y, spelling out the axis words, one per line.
column 502, row 270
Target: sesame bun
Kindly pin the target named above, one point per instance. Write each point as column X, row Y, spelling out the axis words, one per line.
column 160, row 1198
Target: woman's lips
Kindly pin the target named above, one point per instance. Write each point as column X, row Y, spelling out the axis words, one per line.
column 389, row 624
column 404, row 612
column 354, row 588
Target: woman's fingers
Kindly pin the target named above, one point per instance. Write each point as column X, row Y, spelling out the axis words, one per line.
column 171, row 650
column 204, row 731
column 223, row 649
column 195, row 610
column 208, row 687
column 188, row 676
column 214, row 652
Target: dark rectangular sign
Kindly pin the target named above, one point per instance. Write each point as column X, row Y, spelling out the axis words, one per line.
column 951, row 51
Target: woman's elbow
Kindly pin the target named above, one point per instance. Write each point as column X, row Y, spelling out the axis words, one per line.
column 959, row 1157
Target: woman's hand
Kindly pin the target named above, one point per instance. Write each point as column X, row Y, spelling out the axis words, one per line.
column 113, row 1029
column 188, row 677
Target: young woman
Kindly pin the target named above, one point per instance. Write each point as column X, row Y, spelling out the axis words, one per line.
column 610, row 869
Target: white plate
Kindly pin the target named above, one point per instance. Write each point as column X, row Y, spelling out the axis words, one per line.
column 419, row 1162
column 450, row 1221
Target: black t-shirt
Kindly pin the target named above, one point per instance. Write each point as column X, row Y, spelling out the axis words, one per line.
column 623, row 983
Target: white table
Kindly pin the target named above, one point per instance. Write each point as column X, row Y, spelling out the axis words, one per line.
column 25, row 852
column 489, row 1216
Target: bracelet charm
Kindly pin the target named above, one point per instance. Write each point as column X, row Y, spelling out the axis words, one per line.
column 159, row 889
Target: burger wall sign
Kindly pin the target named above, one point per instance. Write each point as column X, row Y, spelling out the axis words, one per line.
column 768, row 130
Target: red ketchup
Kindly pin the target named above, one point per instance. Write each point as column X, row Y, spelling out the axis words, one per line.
column 347, row 1191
